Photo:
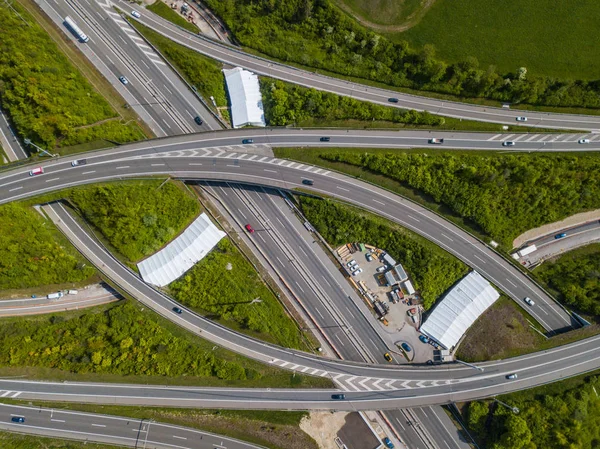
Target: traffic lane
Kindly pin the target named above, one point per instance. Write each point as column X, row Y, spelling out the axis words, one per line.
column 486, row 261
column 241, row 213
column 97, row 50
column 355, row 322
column 113, row 429
column 570, row 232
column 310, row 79
column 441, row 427
column 405, row 429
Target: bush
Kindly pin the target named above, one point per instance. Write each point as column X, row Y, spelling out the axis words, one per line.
column 227, row 295
column 47, row 98
column 34, row 253
column 137, row 218
column 432, row 269
column 315, row 33
column 505, row 195
column 289, row 104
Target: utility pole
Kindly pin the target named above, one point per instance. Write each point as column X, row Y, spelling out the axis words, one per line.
column 29, row 142
column 470, row 365
column 515, row 410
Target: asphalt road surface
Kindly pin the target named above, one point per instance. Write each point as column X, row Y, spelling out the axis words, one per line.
column 215, row 156
column 9, row 142
column 123, row 431
column 261, row 66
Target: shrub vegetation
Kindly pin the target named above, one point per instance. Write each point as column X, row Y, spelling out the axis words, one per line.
column 17, row 441
column 162, row 9
column 223, row 285
column 560, row 420
column 432, row 269
column 287, row 104
column 575, row 276
column 34, row 253
column 137, row 218
column 317, row 34
column 504, row 194
column 47, row 98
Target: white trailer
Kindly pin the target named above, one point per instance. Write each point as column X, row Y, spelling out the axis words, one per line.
column 76, row 30
column 527, row 250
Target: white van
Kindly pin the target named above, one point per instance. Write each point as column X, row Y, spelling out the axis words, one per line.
column 56, row 295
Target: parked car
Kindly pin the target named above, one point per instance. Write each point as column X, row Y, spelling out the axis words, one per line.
column 248, row 141
column 17, row 419
column 381, row 269
column 388, row 443
column 521, row 119
column 325, row 139
column 136, row 14
column 508, row 143
column 308, row 182
column 355, row 272
column 79, row 162
column 124, row 80
column 437, row 141
column 584, row 140
column 529, row 301
column 369, row 257
column 249, row 228
column 338, row 396
column 411, row 312
column 512, row 376
column 388, row 357
column 424, row 339
column 198, row 120
column 560, row 236
column 393, row 100
column 406, row 347
column 36, row 171
column 351, row 262
column 177, row 310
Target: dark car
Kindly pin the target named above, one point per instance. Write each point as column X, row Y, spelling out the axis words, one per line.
column 308, row 182
column 339, row 397
column 248, row 141
column 393, row 100
column 406, row 347
column 325, row 139
column 560, row 236
column 79, row 162
column 508, row 143
column 198, row 120
column 177, row 310
column 17, row 419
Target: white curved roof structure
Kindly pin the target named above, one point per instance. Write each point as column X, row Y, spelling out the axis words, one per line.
column 459, row 309
column 246, row 100
column 181, row 254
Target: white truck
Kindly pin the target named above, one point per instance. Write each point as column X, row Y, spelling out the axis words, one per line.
column 525, row 251
column 56, row 295
column 70, row 23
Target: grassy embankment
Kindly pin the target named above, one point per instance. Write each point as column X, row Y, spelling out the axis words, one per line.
column 432, row 269
column 10, row 440
column 46, row 91
column 127, row 343
column 162, row 9
column 220, row 286
column 273, row 429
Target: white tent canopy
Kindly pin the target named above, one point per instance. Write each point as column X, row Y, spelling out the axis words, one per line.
column 246, row 100
column 459, row 309
column 182, row 253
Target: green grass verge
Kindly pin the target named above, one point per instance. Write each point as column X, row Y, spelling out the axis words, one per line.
column 547, row 37
column 46, row 96
column 204, row 73
column 137, row 217
column 501, row 194
column 383, row 12
column 10, row 440
column 33, row 253
column 124, row 342
column 163, row 10
column 574, row 278
column 272, row 429
column 223, row 285
column 432, row 269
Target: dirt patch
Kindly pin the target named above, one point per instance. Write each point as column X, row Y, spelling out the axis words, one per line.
column 499, row 333
column 550, row 228
column 323, row 427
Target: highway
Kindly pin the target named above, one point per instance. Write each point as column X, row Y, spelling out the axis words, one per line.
column 236, row 57
column 123, row 431
column 212, row 156
column 279, row 234
column 154, row 91
column 9, row 142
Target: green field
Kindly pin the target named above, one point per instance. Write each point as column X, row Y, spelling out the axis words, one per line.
column 17, row 441
column 384, row 13
column 222, row 287
column 124, row 342
column 548, row 37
